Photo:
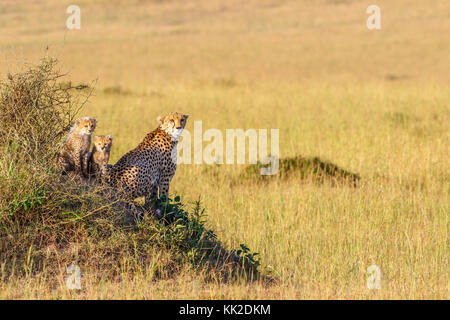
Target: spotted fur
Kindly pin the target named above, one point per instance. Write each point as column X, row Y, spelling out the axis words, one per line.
column 152, row 164
column 73, row 158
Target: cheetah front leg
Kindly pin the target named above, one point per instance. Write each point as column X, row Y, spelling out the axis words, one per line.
column 152, row 195
column 77, row 163
column 84, row 164
column 150, row 201
column 164, row 187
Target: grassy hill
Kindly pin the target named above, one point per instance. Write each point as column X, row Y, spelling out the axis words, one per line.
column 373, row 103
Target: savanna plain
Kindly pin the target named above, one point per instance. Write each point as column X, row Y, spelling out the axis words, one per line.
column 375, row 103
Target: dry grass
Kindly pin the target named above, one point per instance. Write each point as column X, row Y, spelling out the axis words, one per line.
column 375, row 103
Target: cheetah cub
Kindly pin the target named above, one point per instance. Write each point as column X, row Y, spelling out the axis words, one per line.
column 73, row 158
column 99, row 157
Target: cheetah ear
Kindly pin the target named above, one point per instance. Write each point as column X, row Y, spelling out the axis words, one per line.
column 159, row 119
column 185, row 116
column 109, row 137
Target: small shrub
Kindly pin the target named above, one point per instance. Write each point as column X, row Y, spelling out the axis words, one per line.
column 188, row 234
column 36, row 112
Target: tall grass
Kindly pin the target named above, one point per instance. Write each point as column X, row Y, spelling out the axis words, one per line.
column 373, row 103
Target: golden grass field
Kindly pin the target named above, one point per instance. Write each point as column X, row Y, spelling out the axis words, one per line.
column 376, row 103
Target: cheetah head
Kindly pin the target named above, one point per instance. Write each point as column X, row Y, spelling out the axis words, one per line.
column 103, row 143
column 85, row 125
column 173, row 124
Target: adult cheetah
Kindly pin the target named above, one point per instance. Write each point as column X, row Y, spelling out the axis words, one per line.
column 152, row 164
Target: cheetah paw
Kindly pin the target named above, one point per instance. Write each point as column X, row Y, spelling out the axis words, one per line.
column 158, row 213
